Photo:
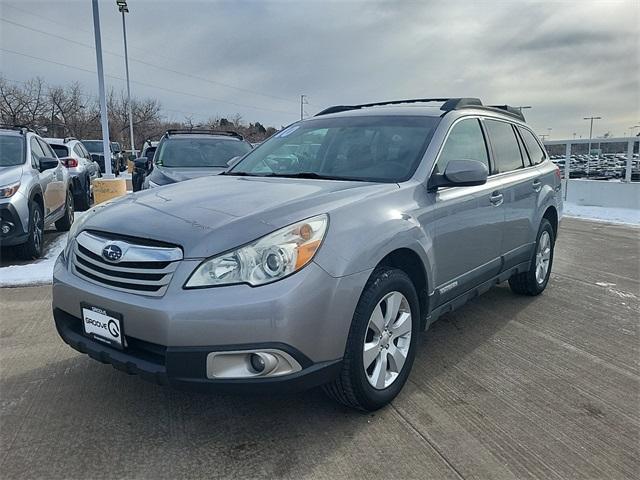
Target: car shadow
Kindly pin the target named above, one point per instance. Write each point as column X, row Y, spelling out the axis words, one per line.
column 66, row 406
column 8, row 255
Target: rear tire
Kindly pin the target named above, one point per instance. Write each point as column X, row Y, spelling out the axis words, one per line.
column 356, row 386
column 64, row 224
column 32, row 248
column 534, row 281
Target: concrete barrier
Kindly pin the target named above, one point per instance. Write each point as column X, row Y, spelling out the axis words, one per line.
column 107, row 188
column 604, row 193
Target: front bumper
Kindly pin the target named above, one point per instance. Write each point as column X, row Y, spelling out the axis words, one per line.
column 185, row 367
column 307, row 315
column 12, row 218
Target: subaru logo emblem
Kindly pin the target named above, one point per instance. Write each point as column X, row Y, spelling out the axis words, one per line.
column 112, row 252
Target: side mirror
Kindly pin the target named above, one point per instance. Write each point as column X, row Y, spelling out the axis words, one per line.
column 233, row 161
column 140, row 163
column 47, row 163
column 460, row 173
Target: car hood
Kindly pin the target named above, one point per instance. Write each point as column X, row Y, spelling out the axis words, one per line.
column 177, row 174
column 210, row 215
column 10, row 175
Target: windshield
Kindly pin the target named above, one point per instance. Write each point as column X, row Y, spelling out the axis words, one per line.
column 94, row 146
column 61, row 150
column 199, row 152
column 372, row 148
column 11, row 150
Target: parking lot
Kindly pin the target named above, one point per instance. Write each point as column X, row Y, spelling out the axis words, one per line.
column 506, row 387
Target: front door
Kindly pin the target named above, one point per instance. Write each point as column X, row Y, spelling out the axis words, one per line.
column 466, row 223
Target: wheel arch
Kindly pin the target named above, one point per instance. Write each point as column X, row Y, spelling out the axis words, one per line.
column 551, row 214
column 408, row 260
column 36, row 196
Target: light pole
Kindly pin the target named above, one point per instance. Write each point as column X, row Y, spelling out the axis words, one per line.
column 122, row 7
column 303, row 101
column 591, row 119
column 549, row 130
column 104, row 119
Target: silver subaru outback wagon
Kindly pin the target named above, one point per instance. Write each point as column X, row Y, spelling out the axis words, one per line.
column 319, row 257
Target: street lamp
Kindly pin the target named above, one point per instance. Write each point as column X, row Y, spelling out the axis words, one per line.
column 591, row 119
column 122, row 7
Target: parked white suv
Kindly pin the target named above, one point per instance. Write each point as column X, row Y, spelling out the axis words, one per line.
column 82, row 168
column 34, row 191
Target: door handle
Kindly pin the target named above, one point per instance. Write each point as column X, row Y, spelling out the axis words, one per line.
column 537, row 185
column 496, row 199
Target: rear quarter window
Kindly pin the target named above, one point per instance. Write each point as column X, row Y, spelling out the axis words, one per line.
column 535, row 151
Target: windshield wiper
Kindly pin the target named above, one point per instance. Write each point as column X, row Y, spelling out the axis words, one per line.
column 241, row 174
column 311, row 175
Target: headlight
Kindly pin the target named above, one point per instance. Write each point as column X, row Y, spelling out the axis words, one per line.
column 265, row 260
column 9, row 190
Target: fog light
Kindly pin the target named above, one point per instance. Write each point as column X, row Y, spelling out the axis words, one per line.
column 257, row 363
column 7, row 227
column 250, row 364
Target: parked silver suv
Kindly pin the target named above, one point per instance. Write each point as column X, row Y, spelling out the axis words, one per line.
column 34, row 191
column 320, row 256
column 82, row 168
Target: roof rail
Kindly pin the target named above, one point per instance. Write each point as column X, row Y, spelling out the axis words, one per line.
column 509, row 110
column 448, row 104
column 203, row 131
column 20, row 128
column 68, row 139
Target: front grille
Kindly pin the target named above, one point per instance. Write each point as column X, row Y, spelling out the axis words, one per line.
column 141, row 269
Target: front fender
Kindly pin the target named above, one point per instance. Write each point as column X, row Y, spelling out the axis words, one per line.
column 361, row 236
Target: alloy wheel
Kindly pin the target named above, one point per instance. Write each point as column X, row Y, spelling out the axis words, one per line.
column 543, row 257
column 387, row 340
column 38, row 230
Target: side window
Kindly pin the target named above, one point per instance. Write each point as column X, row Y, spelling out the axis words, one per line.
column 48, row 152
column 85, row 152
column 36, row 152
column 504, row 144
column 465, row 142
column 78, row 151
column 536, row 154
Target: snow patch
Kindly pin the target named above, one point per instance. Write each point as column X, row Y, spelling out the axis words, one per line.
column 625, row 216
column 39, row 272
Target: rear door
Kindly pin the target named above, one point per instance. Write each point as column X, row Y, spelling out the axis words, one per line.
column 519, row 185
column 44, row 178
column 56, row 188
column 468, row 221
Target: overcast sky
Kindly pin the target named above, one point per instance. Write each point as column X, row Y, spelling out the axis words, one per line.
column 566, row 59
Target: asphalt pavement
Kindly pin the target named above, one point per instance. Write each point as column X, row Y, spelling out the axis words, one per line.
column 507, row 387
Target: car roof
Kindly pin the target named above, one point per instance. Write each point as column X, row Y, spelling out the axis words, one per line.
column 422, row 111
column 205, row 135
column 9, row 131
column 60, row 141
column 429, row 107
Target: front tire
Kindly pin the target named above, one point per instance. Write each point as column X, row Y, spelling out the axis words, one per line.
column 381, row 344
column 32, row 248
column 64, row 224
column 534, row 281
column 84, row 196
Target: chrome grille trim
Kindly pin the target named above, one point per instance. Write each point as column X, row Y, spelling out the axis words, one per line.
column 155, row 265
